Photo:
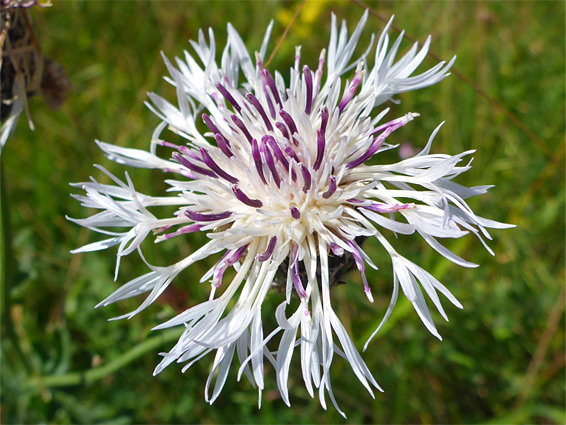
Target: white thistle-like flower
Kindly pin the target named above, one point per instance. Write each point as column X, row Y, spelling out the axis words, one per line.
column 279, row 184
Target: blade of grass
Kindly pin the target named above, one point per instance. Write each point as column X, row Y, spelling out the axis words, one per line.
column 92, row 375
column 282, row 38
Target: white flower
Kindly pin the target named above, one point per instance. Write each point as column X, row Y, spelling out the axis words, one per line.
column 280, row 183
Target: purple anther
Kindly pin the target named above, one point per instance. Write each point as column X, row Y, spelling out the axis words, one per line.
column 223, row 144
column 189, row 152
column 331, row 187
column 228, row 259
column 168, row 145
column 320, row 146
column 295, row 273
column 163, row 229
column 323, row 119
column 395, row 124
column 242, row 127
column 386, row 208
column 207, row 159
column 257, row 105
column 308, row 82
column 257, row 160
column 306, row 177
column 318, row 75
column 336, row 249
column 355, row 201
column 289, row 121
column 224, row 92
column 269, row 251
column 350, row 92
column 289, row 151
column 271, row 84
column 196, row 216
column 231, row 260
column 281, row 127
column 186, row 163
column 242, row 197
column 276, row 150
column 184, row 173
column 267, row 96
column 360, row 265
column 377, row 143
column 183, row 230
column 208, row 121
column 270, row 164
column 295, row 213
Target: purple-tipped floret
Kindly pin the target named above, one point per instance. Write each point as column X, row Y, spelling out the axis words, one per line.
column 242, row 197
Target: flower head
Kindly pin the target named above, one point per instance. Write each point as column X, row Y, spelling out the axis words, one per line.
column 280, row 185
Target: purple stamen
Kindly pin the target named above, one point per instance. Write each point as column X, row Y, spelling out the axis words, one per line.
column 242, row 197
column 295, row 213
column 269, row 251
column 318, row 76
column 395, row 124
column 350, row 92
column 162, row 229
column 196, row 216
column 270, row 164
column 295, row 273
column 308, row 82
column 223, row 144
column 183, row 230
column 189, row 152
column 228, row 259
column 276, row 150
column 377, row 143
column 168, row 145
column 267, row 96
column 323, row 119
column 360, row 265
column 289, row 151
column 331, row 187
column 321, row 144
column 386, row 208
column 208, row 121
column 207, row 159
column 257, row 160
column 184, row 173
column 242, row 127
column 281, row 127
column 289, row 121
column 271, row 84
column 186, row 163
column 336, row 249
column 257, row 105
column 224, row 92
column 306, row 177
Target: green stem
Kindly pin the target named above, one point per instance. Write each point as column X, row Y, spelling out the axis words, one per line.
column 89, row 376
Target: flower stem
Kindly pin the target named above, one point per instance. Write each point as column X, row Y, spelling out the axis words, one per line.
column 89, row 376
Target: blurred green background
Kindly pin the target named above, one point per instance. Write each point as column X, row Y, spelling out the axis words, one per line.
column 502, row 358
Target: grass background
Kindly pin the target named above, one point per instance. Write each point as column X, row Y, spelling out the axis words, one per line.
column 502, row 358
